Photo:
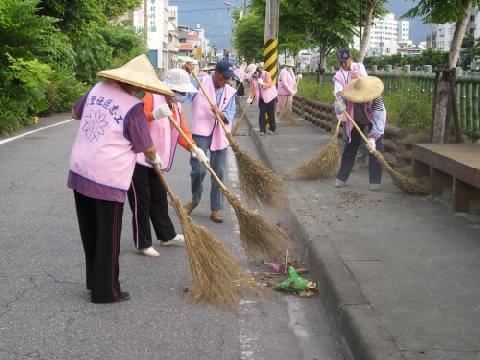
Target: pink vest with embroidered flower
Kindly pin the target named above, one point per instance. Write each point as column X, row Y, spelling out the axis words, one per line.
column 267, row 94
column 100, row 152
column 204, row 121
column 289, row 78
column 164, row 135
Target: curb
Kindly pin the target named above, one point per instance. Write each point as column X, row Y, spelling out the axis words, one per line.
column 358, row 329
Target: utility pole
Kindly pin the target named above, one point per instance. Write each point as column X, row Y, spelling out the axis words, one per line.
column 244, row 7
column 145, row 24
column 270, row 38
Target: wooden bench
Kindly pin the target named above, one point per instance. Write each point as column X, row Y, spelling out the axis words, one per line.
column 450, row 165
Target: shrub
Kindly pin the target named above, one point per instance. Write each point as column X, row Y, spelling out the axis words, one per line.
column 63, row 91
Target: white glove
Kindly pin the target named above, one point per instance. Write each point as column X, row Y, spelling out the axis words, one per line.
column 340, row 106
column 299, row 77
column 371, row 145
column 250, row 100
column 156, row 161
column 260, row 81
column 161, row 112
column 199, row 154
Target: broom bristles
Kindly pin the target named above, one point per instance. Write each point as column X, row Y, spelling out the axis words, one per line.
column 405, row 183
column 256, row 180
column 259, row 237
column 321, row 165
column 287, row 118
column 217, row 277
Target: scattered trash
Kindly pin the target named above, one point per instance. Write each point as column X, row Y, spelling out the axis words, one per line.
column 296, row 284
column 280, row 268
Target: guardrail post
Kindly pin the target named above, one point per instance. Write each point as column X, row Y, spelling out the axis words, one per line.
column 468, row 119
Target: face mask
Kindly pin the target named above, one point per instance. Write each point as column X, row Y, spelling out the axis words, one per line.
column 179, row 98
column 140, row 95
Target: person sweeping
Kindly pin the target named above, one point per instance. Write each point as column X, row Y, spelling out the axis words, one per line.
column 209, row 135
column 361, row 99
column 147, row 196
column 264, row 92
column 287, row 88
column 112, row 130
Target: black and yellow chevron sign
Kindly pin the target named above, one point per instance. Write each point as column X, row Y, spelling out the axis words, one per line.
column 270, row 57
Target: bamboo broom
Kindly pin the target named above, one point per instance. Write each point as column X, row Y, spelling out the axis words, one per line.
column 321, row 165
column 259, row 237
column 256, row 180
column 240, row 120
column 217, row 277
column 405, row 183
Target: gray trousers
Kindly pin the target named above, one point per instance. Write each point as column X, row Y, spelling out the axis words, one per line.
column 218, row 161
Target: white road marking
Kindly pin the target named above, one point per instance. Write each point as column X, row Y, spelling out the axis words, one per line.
column 2, row 142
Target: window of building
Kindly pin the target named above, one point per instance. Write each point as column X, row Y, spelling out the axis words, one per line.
column 472, row 17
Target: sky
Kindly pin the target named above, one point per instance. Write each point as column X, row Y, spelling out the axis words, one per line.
column 215, row 17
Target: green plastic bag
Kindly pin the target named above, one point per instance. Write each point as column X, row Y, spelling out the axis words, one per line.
column 294, row 284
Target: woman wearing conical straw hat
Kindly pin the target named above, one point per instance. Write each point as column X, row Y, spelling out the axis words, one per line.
column 112, row 130
column 361, row 99
column 147, row 196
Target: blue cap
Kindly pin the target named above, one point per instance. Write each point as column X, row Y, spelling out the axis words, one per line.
column 225, row 68
column 343, row 55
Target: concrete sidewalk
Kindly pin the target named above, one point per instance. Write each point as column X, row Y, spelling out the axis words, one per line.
column 400, row 274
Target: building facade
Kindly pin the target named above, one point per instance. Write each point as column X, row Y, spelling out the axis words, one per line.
column 385, row 35
column 440, row 36
column 157, row 31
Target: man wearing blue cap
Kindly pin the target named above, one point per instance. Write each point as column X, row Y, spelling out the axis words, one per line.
column 349, row 70
column 209, row 135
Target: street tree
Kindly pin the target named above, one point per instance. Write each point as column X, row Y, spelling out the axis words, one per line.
column 374, row 9
column 441, row 11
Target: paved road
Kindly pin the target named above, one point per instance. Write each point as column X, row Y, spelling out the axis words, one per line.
column 45, row 311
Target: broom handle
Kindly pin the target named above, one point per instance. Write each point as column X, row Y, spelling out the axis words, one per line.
column 189, row 142
column 220, row 121
column 159, row 172
column 359, row 131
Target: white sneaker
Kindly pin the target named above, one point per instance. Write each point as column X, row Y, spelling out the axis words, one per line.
column 150, row 251
column 375, row 187
column 177, row 240
column 339, row 183
column 270, row 132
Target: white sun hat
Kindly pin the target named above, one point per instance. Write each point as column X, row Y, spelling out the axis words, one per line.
column 290, row 62
column 179, row 80
column 363, row 89
column 138, row 72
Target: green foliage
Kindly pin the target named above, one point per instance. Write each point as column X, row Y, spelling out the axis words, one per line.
column 92, row 54
column 407, row 106
column 125, row 43
column 439, row 11
column 22, row 32
column 248, row 38
column 432, row 57
column 63, row 90
column 114, row 8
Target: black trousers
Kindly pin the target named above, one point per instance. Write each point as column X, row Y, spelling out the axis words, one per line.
column 148, row 201
column 350, row 153
column 269, row 110
column 100, row 223
column 240, row 89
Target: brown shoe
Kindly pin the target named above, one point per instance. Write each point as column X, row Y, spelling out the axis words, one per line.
column 216, row 217
column 188, row 207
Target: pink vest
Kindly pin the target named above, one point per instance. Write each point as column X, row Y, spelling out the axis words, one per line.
column 267, row 94
column 100, row 152
column 204, row 121
column 164, row 135
column 286, row 77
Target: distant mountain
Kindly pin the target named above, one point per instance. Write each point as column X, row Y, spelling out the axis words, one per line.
column 418, row 30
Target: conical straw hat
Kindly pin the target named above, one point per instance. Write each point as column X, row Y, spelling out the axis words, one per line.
column 363, row 89
column 138, row 72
